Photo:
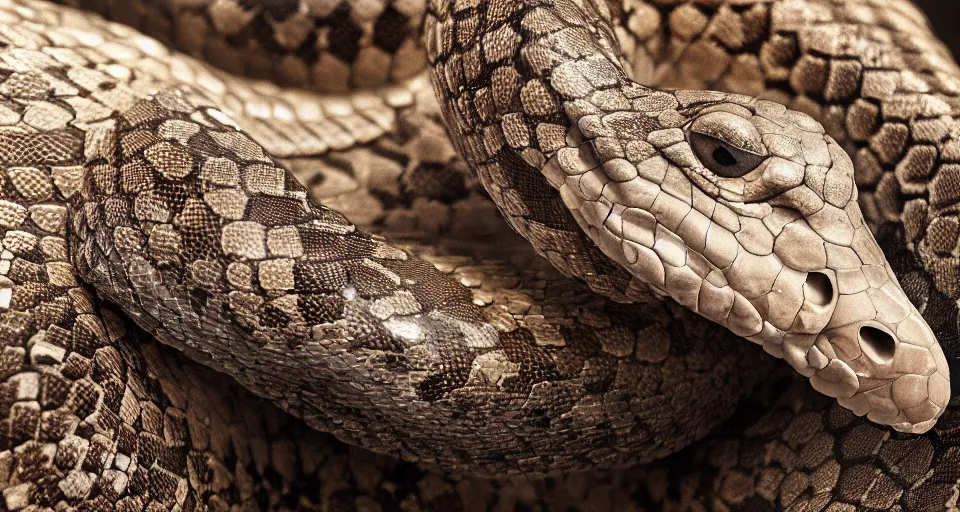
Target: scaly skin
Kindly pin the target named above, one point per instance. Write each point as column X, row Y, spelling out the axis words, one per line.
column 163, row 444
column 210, row 245
column 531, row 86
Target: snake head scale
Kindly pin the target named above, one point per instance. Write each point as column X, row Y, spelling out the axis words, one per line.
column 746, row 212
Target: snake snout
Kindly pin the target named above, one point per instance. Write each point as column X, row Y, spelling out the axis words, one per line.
column 880, row 359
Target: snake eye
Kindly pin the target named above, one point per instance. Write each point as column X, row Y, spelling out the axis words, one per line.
column 723, row 159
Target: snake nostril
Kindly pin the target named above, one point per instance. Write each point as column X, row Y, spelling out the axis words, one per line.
column 878, row 344
column 818, row 289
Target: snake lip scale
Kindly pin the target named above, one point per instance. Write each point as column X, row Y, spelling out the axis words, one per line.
column 276, row 219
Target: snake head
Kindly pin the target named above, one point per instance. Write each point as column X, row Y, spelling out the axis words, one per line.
column 747, row 213
column 828, row 301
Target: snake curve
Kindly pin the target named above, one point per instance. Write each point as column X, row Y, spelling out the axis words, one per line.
column 135, row 166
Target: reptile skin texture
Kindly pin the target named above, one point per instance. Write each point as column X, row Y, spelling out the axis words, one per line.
column 203, row 265
column 777, row 250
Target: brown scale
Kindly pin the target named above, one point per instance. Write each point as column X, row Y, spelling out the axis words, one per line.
column 24, row 271
column 200, row 230
column 367, row 281
column 313, row 276
column 291, row 41
column 536, row 365
column 204, row 143
column 394, row 481
column 275, row 211
column 318, row 309
column 42, row 148
column 435, row 293
column 327, row 246
column 32, row 294
column 453, row 376
column 273, row 316
column 366, row 332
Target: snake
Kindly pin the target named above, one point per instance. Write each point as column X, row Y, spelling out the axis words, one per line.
column 477, row 254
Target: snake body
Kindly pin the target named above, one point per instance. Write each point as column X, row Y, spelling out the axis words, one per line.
column 128, row 185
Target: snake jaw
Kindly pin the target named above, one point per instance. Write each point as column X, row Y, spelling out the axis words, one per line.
column 749, row 217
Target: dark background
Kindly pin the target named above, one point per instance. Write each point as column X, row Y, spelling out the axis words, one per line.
column 945, row 15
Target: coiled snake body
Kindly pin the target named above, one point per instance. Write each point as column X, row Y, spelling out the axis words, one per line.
column 147, row 196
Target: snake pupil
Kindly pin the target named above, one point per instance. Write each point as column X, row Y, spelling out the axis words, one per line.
column 722, row 156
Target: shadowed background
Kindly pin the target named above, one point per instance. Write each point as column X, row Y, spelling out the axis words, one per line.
column 945, row 15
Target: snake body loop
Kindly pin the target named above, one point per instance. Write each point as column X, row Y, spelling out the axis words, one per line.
column 146, row 196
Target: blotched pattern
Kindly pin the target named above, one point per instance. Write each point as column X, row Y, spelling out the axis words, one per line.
column 199, row 234
column 97, row 416
column 777, row 251
column 328, row 45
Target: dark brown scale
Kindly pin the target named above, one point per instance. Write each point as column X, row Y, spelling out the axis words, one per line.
column 275, row 211
column 203, row 144
column 55, row 388
column 29, row 295
column 172, row 194
column 292, row 184
column 368, row 282
column 96, row 455
column 365, row 332
column 327, row 216
column 83, row 399
column 200, row 229
column 140, row 482
column 32, row 461
column 102, row 179
column 108, row 364
column 316, row 276
column 536, row 364
column 136, row 176
column 321, row 309
column 87, row 337
column 133, row 142
column 390, row 30
column 113, row 391
column 76, row 366
column 274, row 317
column 440, row 384
column 435, row 181
column 279, row 10
column 435, row 291
column 148, row 447
column 173, row 459
column 23, row 271
column 54, row 312
column 326, row 246
column 24, row 422
column 343, row 35
column 544, row 205
column 117, row 212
